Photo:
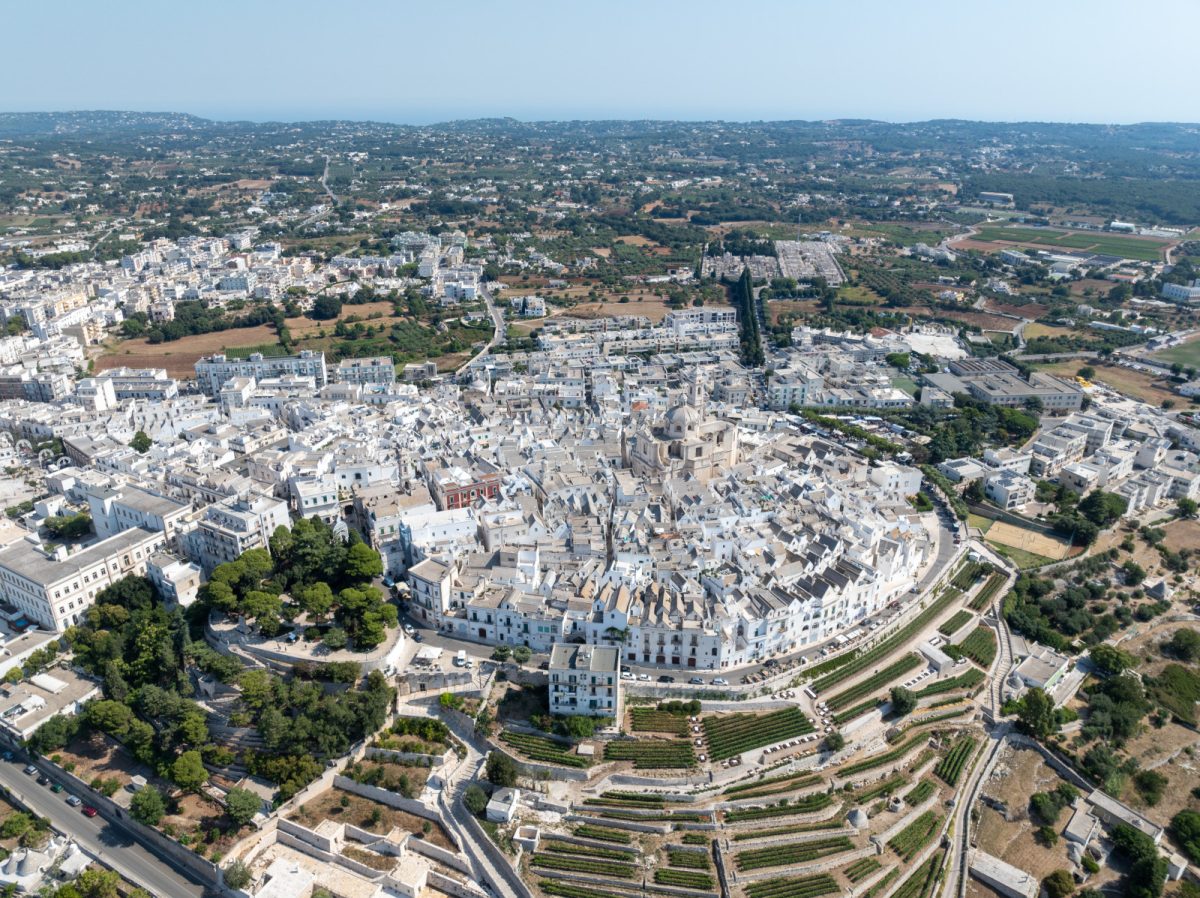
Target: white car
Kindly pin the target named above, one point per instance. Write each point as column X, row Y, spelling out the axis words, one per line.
column 645, row 678
column 628, row 676
column 720, row 681
column 408, row 630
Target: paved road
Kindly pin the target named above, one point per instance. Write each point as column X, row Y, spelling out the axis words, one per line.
column 498, row 331
column 110, row 843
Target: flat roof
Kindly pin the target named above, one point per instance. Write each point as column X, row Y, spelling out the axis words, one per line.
column 27, row 561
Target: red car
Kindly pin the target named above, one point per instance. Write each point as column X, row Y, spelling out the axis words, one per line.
column 89, row 811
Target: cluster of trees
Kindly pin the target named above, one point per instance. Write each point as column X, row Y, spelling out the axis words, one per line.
column 69, row 527
column 1095, row 512
column 1046, row 807
column 95, row 883
column 743, row 300
column 194, row 317
column 307, row 564
column 971, row 426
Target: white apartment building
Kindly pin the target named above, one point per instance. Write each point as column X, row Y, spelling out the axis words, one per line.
column 213, row 371
column 114, row 511
column 585, row 680
column 53, row 591
column 233, row 527
column 375, row 370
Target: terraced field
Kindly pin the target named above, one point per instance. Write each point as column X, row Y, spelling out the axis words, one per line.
column 651, row 754
column 732, row 735
column 796, row 853
column 543, row 748
column 793, row 887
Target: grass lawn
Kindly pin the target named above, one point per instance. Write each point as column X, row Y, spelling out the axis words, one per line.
column 858, row 293
column 907, row 384
column 1022, row 559
column 1186, row 354
column 1143, row 249
column 979, row 522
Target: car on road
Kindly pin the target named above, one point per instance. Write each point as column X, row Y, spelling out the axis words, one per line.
column 8, row 756
column 43, row 779
column 417, row 637
column 665, row 678
column 408, row 630
column 30, row 769
column 625, row 668
column 57, row 787
column 645, row 678
column 74, row 801
column 720, row 681
column 626, row 675
column 89, row 811
column 697, row 681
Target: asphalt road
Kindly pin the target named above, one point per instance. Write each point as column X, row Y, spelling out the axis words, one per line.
column 113, row 845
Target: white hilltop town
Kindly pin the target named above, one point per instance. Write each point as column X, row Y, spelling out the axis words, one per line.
column 604, row 613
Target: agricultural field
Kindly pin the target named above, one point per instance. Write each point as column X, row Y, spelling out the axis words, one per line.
column 967, row 680
column 733, row 734
column 987, row 592
column 1143, row 249
column 797, row 887
column 795, row 853
column 951, row 766
column 909, row 841
column 544, row 749
column 1136, row 384
column 877, row 681
column 980, row 646
column 959, row 620
column 772, row 785
column 651, row 754
column 652, row 720
column 808, row 804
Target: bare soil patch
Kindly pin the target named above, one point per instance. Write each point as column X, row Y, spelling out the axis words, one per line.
column 179, row 356
column 344, row 807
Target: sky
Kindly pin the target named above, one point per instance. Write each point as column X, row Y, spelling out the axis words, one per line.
column 1112, row 61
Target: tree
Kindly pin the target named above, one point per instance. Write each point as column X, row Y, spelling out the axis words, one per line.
column 362, row 563
column 147, row 806
column 335, row 638
column 98, row 884
column 1059, row 884
column 237, row 875
column 501, row 769
column 1111, row 660
column 1037, row 717
column 1102, row 508
column 1185, row 827
column 1087, row 372
column 1185, row 645
column 903, row 701
column 188, row 771
column 141, row 442
column 241, row 805
column 475, row 799
column 521, row 654
column 326, row 307
column 1187, row 508
column 835, row 741
column 1150, row 785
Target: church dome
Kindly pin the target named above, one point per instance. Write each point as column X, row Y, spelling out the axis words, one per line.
column 682, row 417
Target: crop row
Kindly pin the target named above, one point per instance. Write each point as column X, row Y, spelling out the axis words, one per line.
column 915, row 836
column 651, row 754
column 688, row 879
column 965, row 577
column 861, row 869
column 622, row 803
column 689, row 816
column 987, row 592
column 893, row 671
column 956, row 622
column 572, row 864
column 887, row 787
column 629, row 799
column 920, row 792
column 569, row 890
column 736, row 733
column 980, row 646
column 793, row 887
column 952, row 765
column 786, row 830
column 886, row 758
column 560, row 847
column 861, row 661
column 858, row 710
column 773, row 786
column 541, row 748
column 695, row 839
column 796, row 853
column 603, row 834
column 805, row 805
column 966, row 680
column 884, row 882
column 692, row 860
column 922, row 880
column 651, row 720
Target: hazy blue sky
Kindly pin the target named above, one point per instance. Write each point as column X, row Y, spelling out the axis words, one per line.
column 1063, row 60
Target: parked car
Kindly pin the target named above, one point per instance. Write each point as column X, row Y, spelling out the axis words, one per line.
column 666, row 678
column 30, row 769
column 697, row 681
column 8, row 756
column 645, row 678
column 89, row 811
column 409, row 630
column 74, row 801
column 57, row 787
column 720, row 681
column 43, row 779
column 626, row 675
